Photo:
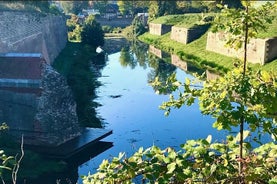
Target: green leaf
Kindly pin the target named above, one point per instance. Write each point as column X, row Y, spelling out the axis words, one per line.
column 245, row 135
column 265, row 76
column 209, row 139
column 171, row 167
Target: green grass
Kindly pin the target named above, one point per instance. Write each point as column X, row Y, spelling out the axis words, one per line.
column 196, row 53
column 271, row 29
column 185, row 20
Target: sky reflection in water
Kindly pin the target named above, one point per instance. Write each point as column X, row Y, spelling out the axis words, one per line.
column 135, row 118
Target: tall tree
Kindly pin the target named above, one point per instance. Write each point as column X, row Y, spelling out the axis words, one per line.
column 92, row 32
column 153, row 10
column 74, row 7
column 125, row 7
column 159, row 8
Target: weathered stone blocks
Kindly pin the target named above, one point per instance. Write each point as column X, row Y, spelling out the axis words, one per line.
column 157, row 52
column 187, row 35
column 176, row 61
column 159, row 29
column 258, row 50
column 45, row 113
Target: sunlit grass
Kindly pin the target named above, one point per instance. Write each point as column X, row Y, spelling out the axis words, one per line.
column 196, row 53
column 185, row 20
column 271, row 29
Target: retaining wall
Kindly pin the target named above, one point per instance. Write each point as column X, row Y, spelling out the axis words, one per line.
column 258, row 50
column 185, row 35
column 33, row 33
column 159, row 29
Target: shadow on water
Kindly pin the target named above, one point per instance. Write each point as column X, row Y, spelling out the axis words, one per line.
column 20, row 105
column 70, row 175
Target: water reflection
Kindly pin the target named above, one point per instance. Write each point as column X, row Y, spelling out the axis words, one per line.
column 70, row 172
column 18, row 108
column 134, row 115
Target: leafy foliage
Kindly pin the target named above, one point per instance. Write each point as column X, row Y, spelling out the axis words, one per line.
column 236, row 21
column 228, row 97
column 197, row 161
column 92, row 32
column 159, row 8
column 74, row 62
column 241, row 96
column 74, row 7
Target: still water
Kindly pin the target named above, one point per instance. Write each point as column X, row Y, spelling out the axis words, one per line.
column 130, row 107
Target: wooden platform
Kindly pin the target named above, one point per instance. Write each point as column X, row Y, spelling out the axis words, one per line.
column 89, row 139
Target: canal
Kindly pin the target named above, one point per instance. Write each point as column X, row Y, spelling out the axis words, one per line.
column 130, row 106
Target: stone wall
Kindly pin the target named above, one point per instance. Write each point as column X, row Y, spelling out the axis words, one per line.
column 56, row 110
column 159, row 29
column 46, row 115
column 185, row 35
column 211, row 75
column 32, row 33
column 271, row 49
column 259, row 50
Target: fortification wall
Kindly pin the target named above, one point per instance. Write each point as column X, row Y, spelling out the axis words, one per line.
column 32, row 33
column 159, row 29
column 185, row 35
column 258, row 50
column 46, row 115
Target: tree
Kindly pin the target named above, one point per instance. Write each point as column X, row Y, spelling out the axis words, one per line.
column 125, row 7
column 100, row 5
column 241, row 25
column 74, row 7
column 232, row 3
column 159, row 8
column 153, row 10
column 92, row 32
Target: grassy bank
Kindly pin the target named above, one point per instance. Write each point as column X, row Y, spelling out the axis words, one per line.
column 196, row 53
